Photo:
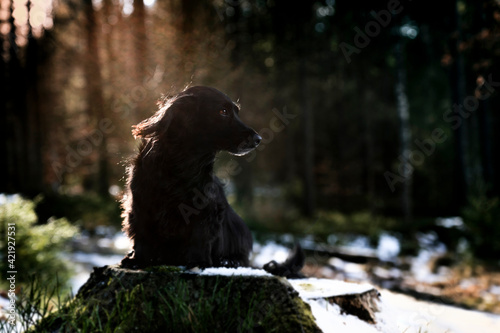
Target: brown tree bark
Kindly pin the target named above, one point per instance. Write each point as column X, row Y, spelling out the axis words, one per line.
column 140, row 41
column 95, row 97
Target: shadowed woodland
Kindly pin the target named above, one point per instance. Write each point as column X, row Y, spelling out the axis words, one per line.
column 382, row 108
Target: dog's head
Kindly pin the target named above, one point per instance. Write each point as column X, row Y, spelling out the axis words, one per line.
column 200, row 118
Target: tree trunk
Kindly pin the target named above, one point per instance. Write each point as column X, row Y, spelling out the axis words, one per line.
column 141, row 54
column 4, row 170
column 34, row 120
column 308, row 154
column 403, row 109
column 485, row 136
column 109, row 10
column 368, row 160
column 16, row 144
column 140, row 40
column 186, row 16
column 485, row 139
column 95, row 98
column 457, row 77
column 243, row 181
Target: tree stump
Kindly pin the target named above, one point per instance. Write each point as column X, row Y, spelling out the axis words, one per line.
column 169, row 299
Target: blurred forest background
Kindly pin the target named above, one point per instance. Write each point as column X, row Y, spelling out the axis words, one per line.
column 375, row 114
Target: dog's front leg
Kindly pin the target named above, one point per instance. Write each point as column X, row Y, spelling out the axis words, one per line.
column 199, row 249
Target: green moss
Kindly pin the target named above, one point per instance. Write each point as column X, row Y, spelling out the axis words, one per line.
column 110, row 280
column 164, row 269
column 166, row 301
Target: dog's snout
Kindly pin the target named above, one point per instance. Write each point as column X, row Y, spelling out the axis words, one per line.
column 256, row 139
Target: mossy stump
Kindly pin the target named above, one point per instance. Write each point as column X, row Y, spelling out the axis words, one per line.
column 166, row 299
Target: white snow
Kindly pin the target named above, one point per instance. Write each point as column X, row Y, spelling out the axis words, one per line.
column 384, row 273
column 451, row 222
column 329, row 319
column 388, row 247
column 328, row 316
column 8, row 198
column 360, row 245
column 429, row 248
column 413, row 316
column 240, row 271
column 398, row 313
column 271, row 251
column 495, row 290
column 95, row 259
column 349, row 270
column 321, row 288
column 122, row 242
column 5, row 311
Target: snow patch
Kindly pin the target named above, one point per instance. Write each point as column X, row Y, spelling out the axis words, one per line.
column 271, row 251
column 240, row 271
column 122, row 242
column 95, row 259
column 451, row 222
column 359, row 245
column 8, row 198
column 495, row 290
column 329, row 319
column 349, row 270
column 323, row 288
column 388, row 247
column 430, row 248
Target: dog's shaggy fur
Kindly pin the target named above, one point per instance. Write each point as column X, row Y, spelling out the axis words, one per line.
column 175, row 210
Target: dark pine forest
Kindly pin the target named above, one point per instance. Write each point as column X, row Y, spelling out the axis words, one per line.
column 374, row 114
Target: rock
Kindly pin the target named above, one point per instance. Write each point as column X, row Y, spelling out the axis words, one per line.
column 167, row 299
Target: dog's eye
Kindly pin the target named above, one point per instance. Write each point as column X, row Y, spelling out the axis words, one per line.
column 224, row 112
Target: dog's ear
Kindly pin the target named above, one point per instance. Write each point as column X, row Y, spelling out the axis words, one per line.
column 152, row 126
column 159, row 123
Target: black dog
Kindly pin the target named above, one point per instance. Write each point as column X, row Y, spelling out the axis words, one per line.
column 175, row 209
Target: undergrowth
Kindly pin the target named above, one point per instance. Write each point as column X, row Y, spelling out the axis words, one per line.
column 35, row 301
column 173, row 308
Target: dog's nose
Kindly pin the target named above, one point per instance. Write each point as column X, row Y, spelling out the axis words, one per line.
column 256, row 139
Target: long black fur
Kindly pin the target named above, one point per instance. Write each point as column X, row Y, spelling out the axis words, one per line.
column 175, row 210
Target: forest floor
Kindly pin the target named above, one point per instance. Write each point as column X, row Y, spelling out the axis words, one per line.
column 476, row 292
column 426, row 277
column 415, row 316
column 447, row 302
